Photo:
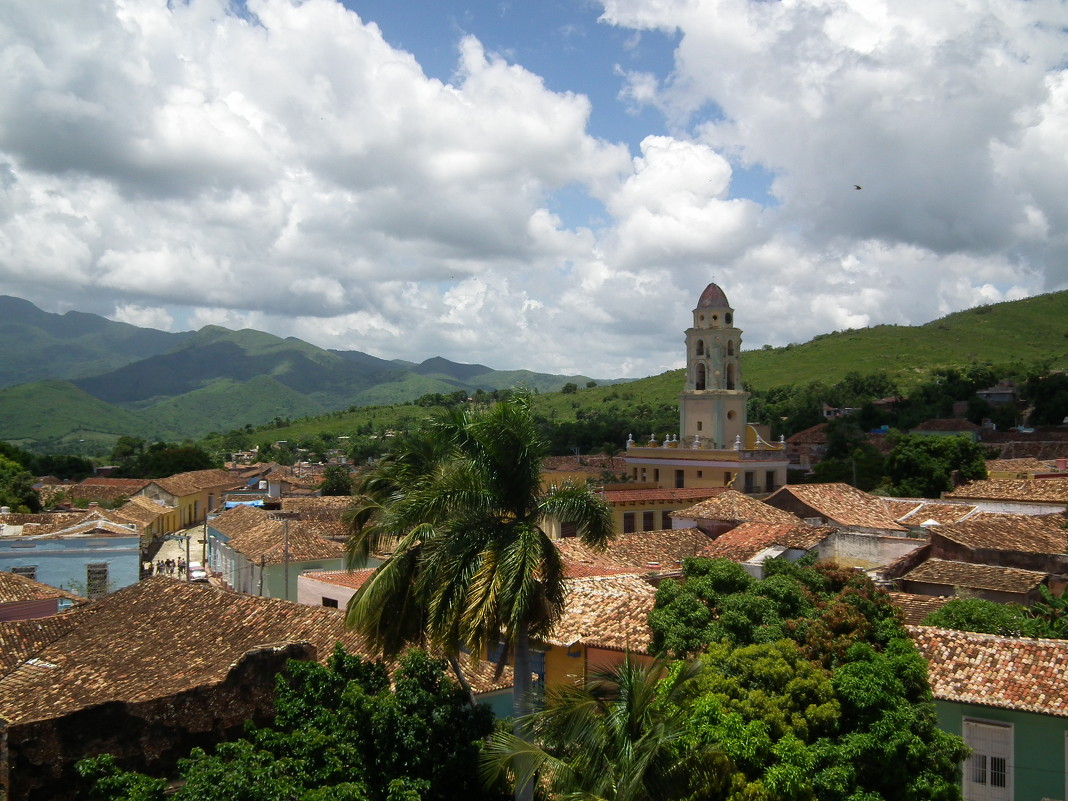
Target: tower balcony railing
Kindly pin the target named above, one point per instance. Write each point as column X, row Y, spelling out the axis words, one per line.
column 764, row 451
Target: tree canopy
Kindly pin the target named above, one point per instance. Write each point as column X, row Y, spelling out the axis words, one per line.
column 811, row 687
column 341, row 733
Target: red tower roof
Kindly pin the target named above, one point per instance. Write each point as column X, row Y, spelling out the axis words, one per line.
column 713, row 298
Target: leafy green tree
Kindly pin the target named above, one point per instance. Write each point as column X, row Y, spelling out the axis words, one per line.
column 924, row 466
column 341, row 733
column 1048, row 395
column 980, row 615
column 337, row 480
column 612, row 738
column 569, row 388
column 16, row 487
column 1047, row 617
column 812, row 690
column 460, row 504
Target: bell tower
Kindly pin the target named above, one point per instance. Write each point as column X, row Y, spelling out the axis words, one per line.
column 712, row 403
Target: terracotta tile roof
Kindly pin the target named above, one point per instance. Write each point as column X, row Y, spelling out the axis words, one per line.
column 1043, row 490
column 1023, row 464
column 898, row 508
column 643, row 552
column 266, row 543
column 924, row 511
column 15, row 588
column 142, row 510
column 78, row 494
column 94, row 522
column 1003, row 672
column 840, row 504
column 976, row 577
column 238, row 519
column 197, row 480
column 326, row 506
column 816, row 435
column 947, row 424
column 187, row 635
column 665, row 494
column 594, row 463
column 606, row 612
column 21, row 639
column 1027, row 533
column 749, row 539
column 350, row 579
column 130, row 485
column 734, row 505
column 914, row 608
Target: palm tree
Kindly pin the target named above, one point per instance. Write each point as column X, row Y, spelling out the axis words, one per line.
column 615, row 738
column 461, row 506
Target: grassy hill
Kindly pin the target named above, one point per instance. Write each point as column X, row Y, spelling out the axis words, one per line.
column 1030, row 331
column 1027, row 332
column 58, row 414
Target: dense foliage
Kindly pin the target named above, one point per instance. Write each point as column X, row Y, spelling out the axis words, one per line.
column 341, row 733
column 337, row 480
column 135, row 458
column 925, row 466
column 1047, row 617
column 811, row 688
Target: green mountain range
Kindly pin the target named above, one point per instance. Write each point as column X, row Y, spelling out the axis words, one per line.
column 77, row 379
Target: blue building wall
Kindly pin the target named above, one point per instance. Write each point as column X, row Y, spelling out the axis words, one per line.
column 62, row 562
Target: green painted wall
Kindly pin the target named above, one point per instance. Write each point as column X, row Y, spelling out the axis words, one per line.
column 1038, row 746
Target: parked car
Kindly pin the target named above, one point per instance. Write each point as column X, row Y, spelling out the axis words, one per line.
column 198, row 573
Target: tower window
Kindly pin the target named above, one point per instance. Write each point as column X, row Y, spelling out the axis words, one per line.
column 729, row 318
column 700, row 383
column 699, row 425
column 730, row 347
column 700, row 347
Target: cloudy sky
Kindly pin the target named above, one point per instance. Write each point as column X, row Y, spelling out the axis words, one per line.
column 531, row 184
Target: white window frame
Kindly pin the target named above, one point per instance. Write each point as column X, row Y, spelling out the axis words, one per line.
column 982, row 768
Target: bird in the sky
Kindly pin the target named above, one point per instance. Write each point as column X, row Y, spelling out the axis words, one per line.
column 856, row 186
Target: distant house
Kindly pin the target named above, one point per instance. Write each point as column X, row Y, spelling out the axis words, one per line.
column 1005, row 696
column 836, row 504
column 605, row 618
column 199, row 663
column 751, row 544
column 651, row 554
column 806, row 449
column 87, row 553
column 1019, row 496
column 645, row 508
column 22, row 598
column 189, row 496
column 258, row 553
column 941, row 577
column 727, row 510
column 330, row 588
column 920, row 513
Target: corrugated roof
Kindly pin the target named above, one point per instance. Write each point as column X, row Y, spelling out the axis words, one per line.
column 1027, row 675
